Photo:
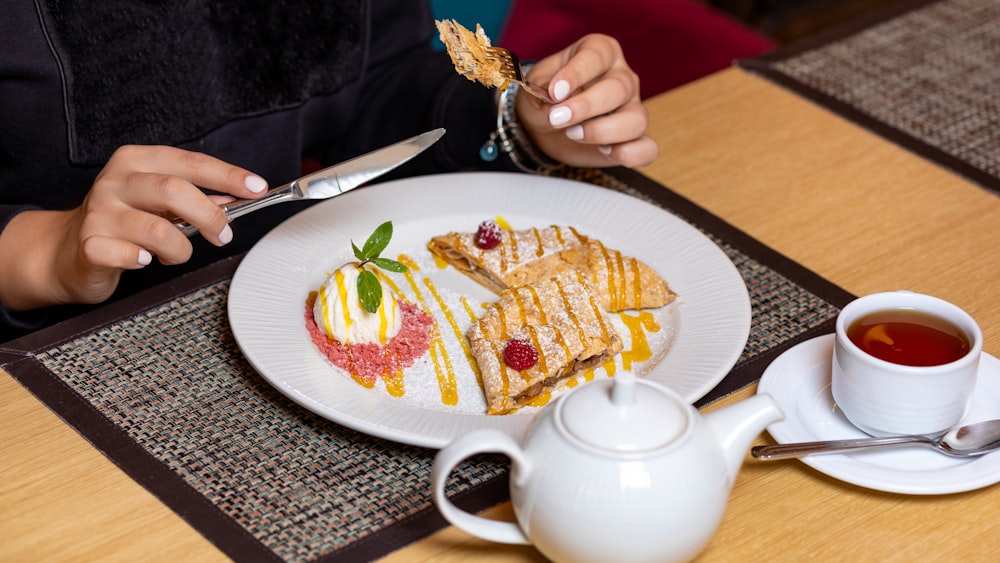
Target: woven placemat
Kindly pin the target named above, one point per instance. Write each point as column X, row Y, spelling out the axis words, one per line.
column 160, row 386
column 924, row 75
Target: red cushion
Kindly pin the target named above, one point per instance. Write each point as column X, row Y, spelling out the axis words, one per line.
column 667, row 42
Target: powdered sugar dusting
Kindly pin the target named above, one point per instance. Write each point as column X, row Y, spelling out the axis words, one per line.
column 446, row 378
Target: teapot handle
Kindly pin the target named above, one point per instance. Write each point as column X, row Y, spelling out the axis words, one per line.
column 478, row 442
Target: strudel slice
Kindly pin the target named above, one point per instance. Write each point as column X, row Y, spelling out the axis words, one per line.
column 501, row 266
column 621, row 282
column 564, row 322
column 523, row 257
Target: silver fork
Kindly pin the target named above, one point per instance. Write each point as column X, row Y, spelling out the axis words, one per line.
column 510, row 68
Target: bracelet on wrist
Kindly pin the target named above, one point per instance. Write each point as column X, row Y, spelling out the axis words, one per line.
column 510, row 138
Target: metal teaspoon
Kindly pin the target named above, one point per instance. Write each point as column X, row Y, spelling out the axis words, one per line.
column 965, row 441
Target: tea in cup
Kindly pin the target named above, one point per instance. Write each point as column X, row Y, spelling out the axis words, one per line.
column 905, row 363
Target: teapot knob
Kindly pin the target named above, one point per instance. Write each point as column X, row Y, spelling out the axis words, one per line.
column 623, row 389
column 624, row 414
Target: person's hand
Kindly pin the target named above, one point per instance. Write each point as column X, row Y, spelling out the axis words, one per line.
column 78, row 256
column 598, row 119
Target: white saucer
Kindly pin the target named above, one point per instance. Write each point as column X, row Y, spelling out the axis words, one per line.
column 799, row 380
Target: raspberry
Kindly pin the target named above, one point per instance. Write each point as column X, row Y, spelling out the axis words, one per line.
column 488, row 235
column 520, row 354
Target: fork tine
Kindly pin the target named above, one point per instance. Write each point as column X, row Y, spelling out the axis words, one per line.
column 509, row 64
column 510, row 67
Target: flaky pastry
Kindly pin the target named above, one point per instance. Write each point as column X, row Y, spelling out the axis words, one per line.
column 523, row 257
column 561, row 317
column 468, row 53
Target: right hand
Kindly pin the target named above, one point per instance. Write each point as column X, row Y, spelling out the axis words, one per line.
column 599, row 119
column 78, row 256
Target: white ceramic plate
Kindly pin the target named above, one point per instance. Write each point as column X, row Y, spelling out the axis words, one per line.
column 799, row 380
column 701, row 336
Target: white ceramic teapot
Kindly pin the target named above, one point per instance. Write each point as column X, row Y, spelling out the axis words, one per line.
column 615, row 470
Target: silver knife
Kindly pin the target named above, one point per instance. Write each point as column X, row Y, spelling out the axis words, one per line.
column 332, row 181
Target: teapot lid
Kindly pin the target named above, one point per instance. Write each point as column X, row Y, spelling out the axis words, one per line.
column 624, row 415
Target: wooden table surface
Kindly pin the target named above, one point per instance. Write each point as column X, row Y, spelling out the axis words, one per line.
column 858, row 210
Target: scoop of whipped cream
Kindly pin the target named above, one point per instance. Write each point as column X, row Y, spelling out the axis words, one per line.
column 339, row 313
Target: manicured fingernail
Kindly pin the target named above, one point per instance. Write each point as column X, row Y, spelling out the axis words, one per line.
column 605, row 150
column 560, row 89
column 560, row 115
column 226, row 236
column 145, row 258
column 575, row 133
column 255, row 184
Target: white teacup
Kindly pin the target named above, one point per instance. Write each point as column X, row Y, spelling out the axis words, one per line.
column 884, row 397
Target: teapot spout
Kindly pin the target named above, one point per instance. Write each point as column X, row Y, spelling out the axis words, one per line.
column 737, row 425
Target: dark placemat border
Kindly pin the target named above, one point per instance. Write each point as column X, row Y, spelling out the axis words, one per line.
column 764, row 65
column 18, row 358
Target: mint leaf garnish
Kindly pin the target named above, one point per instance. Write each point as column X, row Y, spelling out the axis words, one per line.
column 369, row 289
column 390, row 265
column 377, row 242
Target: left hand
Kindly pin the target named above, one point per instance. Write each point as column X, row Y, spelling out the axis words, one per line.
column 598, row 119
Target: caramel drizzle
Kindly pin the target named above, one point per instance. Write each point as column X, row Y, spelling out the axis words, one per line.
column 504, row 333
column 579, row 238
column 338, row 276
column 539, row 400
column 523, row 313
column 543, row 319
column 636, row 282
column 447, row 383
column 456, row 330
column 368, row 383
column 504, row 381
column 559, row 237
column 445, row 377
column 596, row 308
column 394, row 383
column 542, row 364
column 383, row 312
column 616, row 277
column 538, row 239
column 468, row 308
column 392, row 284
column 513, row 257
column 638, row 326
column 324, row 305
column 440, row 262
column 620, row 271
column 581, row 334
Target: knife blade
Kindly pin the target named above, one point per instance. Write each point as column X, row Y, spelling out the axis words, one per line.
column 332, row 181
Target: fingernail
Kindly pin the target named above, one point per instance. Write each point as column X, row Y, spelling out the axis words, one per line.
column 560, row 115
column 605, row 150
column 560, row 89
column 145, row 258
column 575, row 133
column 255, row 184
column 226, row 236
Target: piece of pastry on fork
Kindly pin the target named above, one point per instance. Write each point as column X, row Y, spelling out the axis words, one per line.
column 477, row 59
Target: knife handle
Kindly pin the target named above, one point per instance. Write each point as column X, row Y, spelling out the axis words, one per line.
column 241, row 207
